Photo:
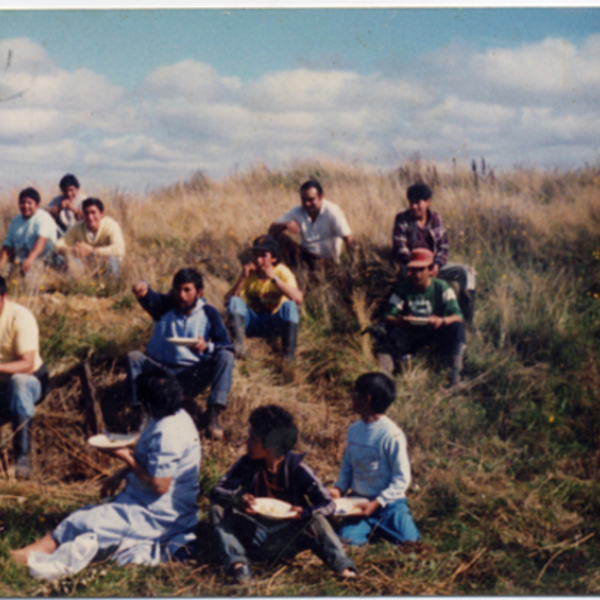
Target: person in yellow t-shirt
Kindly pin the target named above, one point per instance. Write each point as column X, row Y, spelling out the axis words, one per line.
column 96, row 237
column 264, row 301
column 23, row 376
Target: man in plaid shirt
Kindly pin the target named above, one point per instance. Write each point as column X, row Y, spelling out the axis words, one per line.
column 419, row 227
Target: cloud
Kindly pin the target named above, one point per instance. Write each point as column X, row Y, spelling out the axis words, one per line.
column 525, row 104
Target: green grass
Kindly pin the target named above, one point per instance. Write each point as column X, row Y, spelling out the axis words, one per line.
column 505, row 468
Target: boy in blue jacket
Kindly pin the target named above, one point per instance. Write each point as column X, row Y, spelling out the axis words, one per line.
column 376, row 466
column 184, row 313
column 269, row 469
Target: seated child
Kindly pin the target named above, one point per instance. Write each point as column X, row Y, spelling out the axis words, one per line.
column 270, row 469
column 376, row 466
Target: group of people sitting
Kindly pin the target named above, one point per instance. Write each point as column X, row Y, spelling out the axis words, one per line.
column 155, row 517
column 69, row 233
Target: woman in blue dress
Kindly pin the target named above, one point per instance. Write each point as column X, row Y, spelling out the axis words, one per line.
column 156, row 514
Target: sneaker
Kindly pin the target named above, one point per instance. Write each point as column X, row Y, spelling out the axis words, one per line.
column 242, row 575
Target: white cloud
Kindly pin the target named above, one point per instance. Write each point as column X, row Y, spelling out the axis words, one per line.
column 536, row 102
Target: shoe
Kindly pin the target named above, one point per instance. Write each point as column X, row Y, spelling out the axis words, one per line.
column 237, row 326
column 386, row 363
column 213, row 426
column 289, row 341
column 243, row 574
column 22, row 446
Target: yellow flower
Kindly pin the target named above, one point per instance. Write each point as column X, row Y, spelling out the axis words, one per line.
column 595, row 295
column 551, row 419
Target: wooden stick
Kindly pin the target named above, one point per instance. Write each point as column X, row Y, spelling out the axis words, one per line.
column 585, row 539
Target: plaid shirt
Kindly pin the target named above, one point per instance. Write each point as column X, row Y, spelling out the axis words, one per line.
column 405, row 234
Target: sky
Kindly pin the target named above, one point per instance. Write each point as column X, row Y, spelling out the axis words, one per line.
column 137, row 99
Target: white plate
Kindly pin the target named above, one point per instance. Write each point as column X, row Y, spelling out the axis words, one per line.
column 346, row 507
column 418, row 320
column 183, row 341
column 112, row 440
column 273, row 508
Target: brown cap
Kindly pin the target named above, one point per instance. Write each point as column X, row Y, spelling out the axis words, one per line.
column 420, row 257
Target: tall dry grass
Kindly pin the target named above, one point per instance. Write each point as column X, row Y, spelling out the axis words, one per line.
column 505, row 467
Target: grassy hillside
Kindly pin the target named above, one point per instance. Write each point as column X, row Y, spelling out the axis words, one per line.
column 505, row 468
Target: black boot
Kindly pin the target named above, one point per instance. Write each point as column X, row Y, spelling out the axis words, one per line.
column 467, row 306
column 289, row 340
column 213, row 427
column 237, row 326
column 22, row 446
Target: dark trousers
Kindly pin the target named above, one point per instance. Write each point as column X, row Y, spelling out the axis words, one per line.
column 241, row 537
column 445, row 341
column 217, row 372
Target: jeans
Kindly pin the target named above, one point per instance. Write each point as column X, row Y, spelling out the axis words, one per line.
column 19, row 395
column 392, row 522
column 264, row 324
column 240, row 535
column 216, row 371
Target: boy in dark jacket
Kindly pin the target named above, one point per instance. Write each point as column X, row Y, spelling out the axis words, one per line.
column 270, row 469
column 185, row 314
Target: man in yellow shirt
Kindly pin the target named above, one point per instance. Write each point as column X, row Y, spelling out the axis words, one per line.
column 23, row 375
column 96, row 237
column 264, row 301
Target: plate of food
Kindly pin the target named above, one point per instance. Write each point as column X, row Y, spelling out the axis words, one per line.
column 181, row 341
column 273, row 508
column 417, row 320
column 112, row 440
column 347, row 507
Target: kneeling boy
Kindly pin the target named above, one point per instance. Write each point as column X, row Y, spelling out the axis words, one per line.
column 375, row 466
column 270, row 469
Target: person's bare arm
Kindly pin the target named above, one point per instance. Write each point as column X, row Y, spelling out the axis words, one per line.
column 436, row 321
column 158, row 485
column 293, row 293
column 36, row 251
column 23, row 364
column 239, row 284
column 277, row 228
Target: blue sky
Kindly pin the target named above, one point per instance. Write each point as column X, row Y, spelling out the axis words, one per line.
column 138, row 98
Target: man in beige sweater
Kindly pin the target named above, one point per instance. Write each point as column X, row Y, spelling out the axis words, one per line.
column 96, row 238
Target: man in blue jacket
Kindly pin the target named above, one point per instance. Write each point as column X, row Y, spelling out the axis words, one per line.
column 181, row 316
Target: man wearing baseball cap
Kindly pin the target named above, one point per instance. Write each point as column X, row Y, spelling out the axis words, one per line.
column 264, row 302
column 422, row 311
column 420, row 227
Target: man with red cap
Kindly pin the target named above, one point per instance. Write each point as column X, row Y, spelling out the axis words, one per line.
column 420, row 227
column 422, row 311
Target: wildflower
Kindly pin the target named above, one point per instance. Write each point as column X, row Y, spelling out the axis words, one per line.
column 225, row 267
column 551, row 419
column 596, row 296
column 478, row 251
column 504, row 276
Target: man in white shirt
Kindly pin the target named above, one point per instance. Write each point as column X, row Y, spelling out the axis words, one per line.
column 322, row 227
column 66, row 208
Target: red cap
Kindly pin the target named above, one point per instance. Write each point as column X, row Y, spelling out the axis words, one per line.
column 420, row 257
